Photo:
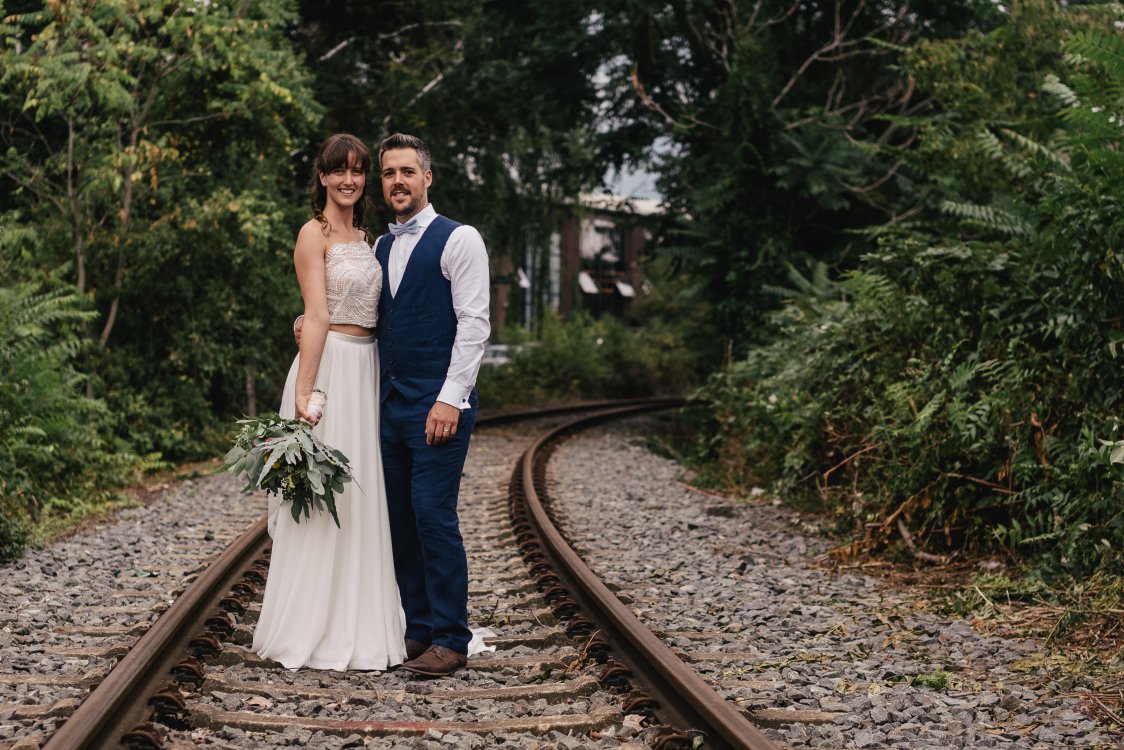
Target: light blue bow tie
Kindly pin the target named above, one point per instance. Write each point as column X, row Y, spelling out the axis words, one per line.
column 410, row 227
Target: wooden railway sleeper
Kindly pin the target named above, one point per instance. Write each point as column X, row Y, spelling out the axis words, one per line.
column 143, row 737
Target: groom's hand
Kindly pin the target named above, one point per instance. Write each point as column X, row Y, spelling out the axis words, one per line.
column 441, row 424
column 297, row 325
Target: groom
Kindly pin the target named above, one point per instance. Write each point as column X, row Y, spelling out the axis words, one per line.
column 433, row 325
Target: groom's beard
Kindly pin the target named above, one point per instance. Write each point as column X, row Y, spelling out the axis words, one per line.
column 407, row 210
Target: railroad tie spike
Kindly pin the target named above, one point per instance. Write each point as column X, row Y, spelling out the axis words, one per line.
column 540, row 567
column 547, row 579
column 233, row 604
column 204, row 645
column 189, row 671
column 221, row 624
column 670, row 738
column 555, row 592
column 143, row 737
column 170, row 707
column 579, row 625
column 244, row 589
column 614, row 675
column 597, row 647
column 640, row 702
column 565, row 609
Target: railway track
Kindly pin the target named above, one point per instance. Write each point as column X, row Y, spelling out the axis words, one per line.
column 570, row 659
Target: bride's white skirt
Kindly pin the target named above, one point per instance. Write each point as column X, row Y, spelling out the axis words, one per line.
column 331, row 601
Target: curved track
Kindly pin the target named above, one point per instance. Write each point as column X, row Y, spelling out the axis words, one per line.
column 562, row 632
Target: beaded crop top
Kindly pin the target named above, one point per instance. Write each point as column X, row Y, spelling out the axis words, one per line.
column 354, row 282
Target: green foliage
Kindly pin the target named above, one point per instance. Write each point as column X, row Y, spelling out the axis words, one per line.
column 937, row 679
column 767, row 135
column 149, row 145
column 53, row 449
column 586, row 358
column 285, row 457
column 965, row 380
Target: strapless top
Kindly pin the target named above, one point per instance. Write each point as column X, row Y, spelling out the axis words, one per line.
column 354, row 283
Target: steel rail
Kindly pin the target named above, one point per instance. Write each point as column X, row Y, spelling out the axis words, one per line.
column 119, row 701
column 686, row 699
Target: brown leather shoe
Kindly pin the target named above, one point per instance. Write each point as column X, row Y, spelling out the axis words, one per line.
column 437, row 661
column 414, row 649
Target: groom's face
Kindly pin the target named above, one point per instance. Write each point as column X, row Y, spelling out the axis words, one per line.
column 404, row 185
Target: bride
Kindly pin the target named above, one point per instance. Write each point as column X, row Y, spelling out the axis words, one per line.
column 331, row 601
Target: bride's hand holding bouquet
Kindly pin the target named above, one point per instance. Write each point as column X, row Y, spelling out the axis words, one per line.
column 285, row 456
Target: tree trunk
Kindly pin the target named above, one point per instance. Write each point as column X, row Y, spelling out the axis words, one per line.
column 251, row 392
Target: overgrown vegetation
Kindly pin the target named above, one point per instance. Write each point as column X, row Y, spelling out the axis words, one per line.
column 957, row 388
column 896, row 225
column 53, row 449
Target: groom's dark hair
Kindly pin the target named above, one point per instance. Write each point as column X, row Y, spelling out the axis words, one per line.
column 401, row 140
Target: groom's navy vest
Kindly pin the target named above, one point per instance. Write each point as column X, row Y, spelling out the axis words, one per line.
column 418, row 325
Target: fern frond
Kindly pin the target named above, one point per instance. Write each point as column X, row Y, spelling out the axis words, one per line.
column 1089, row 46
column 988, row 217
column 1053, row 86
column 1031, row 146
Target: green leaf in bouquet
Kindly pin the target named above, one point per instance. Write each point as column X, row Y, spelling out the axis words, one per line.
column 306, row 443
column 285, row 456
column 277, row 454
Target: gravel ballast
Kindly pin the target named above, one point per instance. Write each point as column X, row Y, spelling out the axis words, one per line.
column 846, row 646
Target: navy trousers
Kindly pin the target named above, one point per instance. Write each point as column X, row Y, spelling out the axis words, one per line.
column 422, row 485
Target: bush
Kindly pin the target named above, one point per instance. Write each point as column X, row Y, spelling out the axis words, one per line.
column 584, row 358
column 965, row 384
column 54, row 452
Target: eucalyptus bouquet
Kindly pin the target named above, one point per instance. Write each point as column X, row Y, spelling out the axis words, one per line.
column 284, row 456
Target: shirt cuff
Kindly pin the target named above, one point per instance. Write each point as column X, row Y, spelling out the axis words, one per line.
column 454, row 394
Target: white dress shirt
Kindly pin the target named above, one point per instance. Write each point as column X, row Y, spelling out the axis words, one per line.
column 465, row 264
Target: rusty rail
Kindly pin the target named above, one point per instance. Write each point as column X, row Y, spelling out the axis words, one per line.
column 121, row 701
column 685, row 700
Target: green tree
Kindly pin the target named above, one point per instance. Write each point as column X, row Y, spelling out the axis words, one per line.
column 955, row 388
column 765, row 121
column 151, row 142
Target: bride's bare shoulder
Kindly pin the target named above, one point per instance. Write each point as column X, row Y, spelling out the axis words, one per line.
column 311, row 237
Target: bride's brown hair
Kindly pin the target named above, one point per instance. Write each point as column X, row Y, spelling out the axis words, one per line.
column 340, row 150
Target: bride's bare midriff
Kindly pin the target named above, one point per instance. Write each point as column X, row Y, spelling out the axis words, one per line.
column 351, row 330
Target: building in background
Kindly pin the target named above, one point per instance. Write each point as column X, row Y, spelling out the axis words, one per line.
column 588, row 259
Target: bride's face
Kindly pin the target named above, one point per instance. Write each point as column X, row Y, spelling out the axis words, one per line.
column 345, row 184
